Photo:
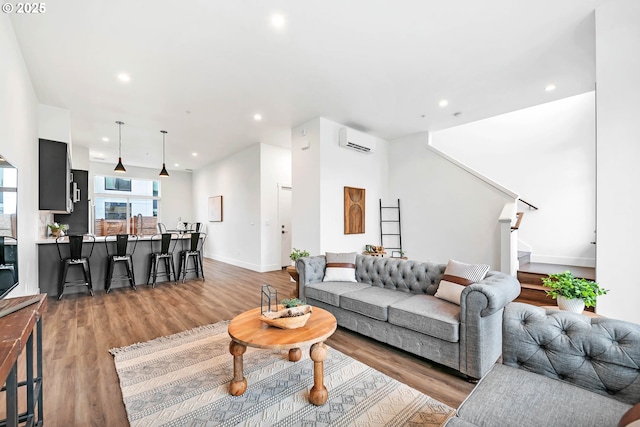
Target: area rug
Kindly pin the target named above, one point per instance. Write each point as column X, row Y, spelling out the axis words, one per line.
column 183, row 380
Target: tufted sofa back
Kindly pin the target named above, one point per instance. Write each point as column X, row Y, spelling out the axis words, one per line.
column 392, row 273
column 600, row 355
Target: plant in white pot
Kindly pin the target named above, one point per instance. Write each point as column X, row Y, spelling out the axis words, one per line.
column 291, row 269
column 572, row 293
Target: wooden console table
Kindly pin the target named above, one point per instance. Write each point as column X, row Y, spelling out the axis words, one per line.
column 17, row 334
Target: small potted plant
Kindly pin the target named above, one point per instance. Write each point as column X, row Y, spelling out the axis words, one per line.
column 295, row 255
column 572, row 293
column 291, row 302
column 58, row 230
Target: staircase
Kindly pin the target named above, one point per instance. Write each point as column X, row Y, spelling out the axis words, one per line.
column 530, row 275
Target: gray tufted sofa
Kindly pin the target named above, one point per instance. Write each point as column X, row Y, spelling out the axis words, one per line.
column 558, row 369
column 393, row 302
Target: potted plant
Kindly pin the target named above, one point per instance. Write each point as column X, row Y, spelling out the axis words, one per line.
column 58, row 230
column 572, row 293
column 291, row 302
column 295, row 255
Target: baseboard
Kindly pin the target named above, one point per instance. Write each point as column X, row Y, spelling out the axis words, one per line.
column 243, row 264
column 550, row 259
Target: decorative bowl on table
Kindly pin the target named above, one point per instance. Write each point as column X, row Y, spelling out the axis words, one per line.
column 288, row 318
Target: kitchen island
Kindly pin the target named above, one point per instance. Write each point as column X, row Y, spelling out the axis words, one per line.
column 50, row 267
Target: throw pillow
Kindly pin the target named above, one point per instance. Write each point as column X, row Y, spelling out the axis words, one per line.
column 340, row 267
column 457, row 275
column 631, row 418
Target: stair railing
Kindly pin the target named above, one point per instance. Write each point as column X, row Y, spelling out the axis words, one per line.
column 509, row 239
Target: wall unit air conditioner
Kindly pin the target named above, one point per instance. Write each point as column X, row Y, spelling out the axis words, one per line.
column 355, row 140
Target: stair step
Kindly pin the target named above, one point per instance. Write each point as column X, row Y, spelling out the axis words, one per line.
column 542, row 269
column 530, row 277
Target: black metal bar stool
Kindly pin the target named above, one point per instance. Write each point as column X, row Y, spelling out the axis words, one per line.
column 167, row 243
column 196, row 243
column 121, row 255
column 8, row 265
column 75, row 257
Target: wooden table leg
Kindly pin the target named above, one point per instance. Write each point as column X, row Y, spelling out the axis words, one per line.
column 239, row 382
column 318, row 394
column 295, row 354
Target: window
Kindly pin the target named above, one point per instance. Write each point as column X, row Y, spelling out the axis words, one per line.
column 118, row 184
column 125, row 205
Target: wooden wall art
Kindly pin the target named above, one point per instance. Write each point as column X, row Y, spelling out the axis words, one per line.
column 215, row 209
column 354, row 204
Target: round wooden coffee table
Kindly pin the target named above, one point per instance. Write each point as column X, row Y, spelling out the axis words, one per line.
column 246, row 330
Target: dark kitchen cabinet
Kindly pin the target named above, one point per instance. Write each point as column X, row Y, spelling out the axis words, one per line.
column 54, row 177
column 78, row 220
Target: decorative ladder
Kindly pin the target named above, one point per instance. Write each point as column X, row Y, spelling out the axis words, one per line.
column 391, row 230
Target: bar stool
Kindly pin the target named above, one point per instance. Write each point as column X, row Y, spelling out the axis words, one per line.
column 6, row 265
column 75, row 258
column 196, row 242
column 162, row 228
column 167, row 245
column 121, row 255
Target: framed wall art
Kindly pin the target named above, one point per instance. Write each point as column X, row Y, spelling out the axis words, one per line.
column 215, row 209
column 354, row 210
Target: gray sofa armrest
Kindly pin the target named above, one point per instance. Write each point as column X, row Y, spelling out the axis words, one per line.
column 601, row 355
column 310, row 270
column 481, row 307
column 499, row 289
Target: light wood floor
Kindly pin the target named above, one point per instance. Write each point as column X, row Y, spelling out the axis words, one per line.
column 81, row 385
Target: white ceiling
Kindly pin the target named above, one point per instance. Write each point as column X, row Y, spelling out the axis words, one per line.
column 201, row 69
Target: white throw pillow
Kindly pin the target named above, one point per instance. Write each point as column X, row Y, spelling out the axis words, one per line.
column 456, row 277
column 341, row 267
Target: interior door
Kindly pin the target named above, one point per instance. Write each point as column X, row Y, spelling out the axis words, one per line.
column 284, row 216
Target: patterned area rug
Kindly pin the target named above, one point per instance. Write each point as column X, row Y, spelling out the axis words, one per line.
column 183, row 380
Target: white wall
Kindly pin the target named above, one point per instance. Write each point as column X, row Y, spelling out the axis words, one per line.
column 237, row 239
column 306, row 227
column 80, row 157
column 19, row 144
column 175, row 190
column 54, row 123
column 447, row 213
column 618, row 150
column 546, row 154
column 320, row 174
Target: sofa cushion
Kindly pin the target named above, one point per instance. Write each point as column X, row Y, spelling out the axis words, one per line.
column 509, row 396
column 428, row 315
column 403, row 275
column 341, row 267
column 457, row 275
column 372, row 301
column 329, row 292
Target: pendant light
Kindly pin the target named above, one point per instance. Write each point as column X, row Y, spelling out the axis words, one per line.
column 120, row 167
column 163, row 172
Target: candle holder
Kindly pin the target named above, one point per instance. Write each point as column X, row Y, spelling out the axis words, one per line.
column 268, row 299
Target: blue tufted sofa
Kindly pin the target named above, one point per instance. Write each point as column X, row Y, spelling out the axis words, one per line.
column 558, row 369
column 392, row 301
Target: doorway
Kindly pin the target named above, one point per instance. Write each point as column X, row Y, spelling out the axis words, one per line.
column 284, row 218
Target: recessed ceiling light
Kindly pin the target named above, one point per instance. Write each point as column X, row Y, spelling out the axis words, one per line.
column 550, row 88
column 105, row 139
column 257, row 117
column 443, row 103
column 278, row 21
column 176, row 164
column 194, row 154
column 124, row 77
